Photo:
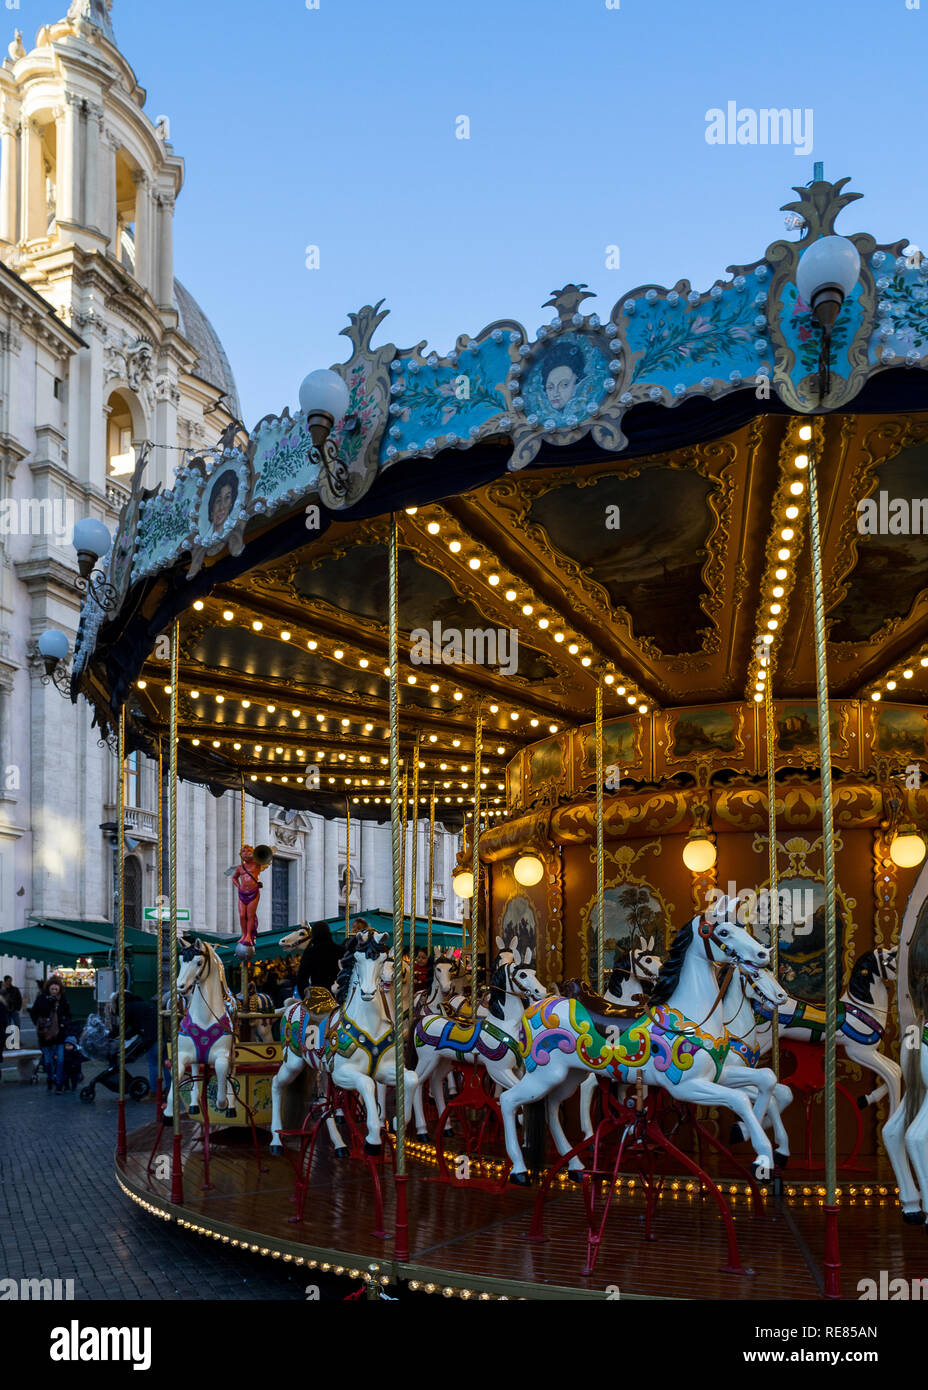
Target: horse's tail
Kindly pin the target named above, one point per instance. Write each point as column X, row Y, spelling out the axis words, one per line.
column 912, row 1075
column 534, row 1137
column 410, row 1051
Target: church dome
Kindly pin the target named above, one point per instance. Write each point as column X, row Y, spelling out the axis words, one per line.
column 212, row 363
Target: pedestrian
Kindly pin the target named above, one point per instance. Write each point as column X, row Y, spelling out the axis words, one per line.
column 420, row 969
column 141, row 1022
column 13, row 999
column 4, row 1024
column 319, row 963
column 51, row 1015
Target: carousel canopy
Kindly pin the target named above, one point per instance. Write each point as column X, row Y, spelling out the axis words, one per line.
column 619, row 494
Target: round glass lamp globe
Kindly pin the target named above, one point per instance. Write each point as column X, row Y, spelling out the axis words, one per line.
column 699, row 855
column 324, row 391
column 91, row 536
column 53, row 644
column 463, row 884
column 907, row 849
column 830, row 261
column 528, row 870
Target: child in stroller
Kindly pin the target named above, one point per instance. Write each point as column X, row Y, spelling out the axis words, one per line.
column 97, row 1043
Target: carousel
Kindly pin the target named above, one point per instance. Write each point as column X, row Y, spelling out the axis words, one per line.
column 640, row 603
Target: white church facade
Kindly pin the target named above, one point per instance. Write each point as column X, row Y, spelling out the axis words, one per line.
column 102, row 348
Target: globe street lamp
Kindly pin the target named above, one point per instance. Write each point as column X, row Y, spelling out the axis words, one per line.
column 827, row 272
column 324, row 399
column 91, row 540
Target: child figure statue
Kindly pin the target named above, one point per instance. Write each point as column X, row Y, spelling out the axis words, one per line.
column 247, row 879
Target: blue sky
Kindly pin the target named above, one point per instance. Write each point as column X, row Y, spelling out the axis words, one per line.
column 336, row 127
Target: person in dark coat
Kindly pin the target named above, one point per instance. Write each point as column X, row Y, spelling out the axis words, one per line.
column 51, row 1014
column 319, row 964
column 141, row 1022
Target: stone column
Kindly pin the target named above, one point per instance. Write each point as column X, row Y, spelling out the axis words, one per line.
column 33, row 221
column 164, row 295
column 69, row 160
column 9, row 182
column 93, row 135
column 143, row 229
column 107, row 210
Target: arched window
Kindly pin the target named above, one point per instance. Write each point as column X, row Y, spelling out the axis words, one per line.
column 132, row 892
column 120, row 453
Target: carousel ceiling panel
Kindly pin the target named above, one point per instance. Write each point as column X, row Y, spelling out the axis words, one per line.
column 892, row 564
column 650, row 560
column 246, row 653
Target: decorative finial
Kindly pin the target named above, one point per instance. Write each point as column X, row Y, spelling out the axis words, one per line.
column 17, row 49
column 565, row 301
column 819, row 204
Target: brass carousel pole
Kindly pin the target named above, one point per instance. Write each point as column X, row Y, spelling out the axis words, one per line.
column 121, row 926
column 475, row 900
column 774, row 891
column 177, row 1172
column 431, row 862
column 832, row 1253
column 160, row 899
column 243, row 973
column 413, row 866
column 401, row 1245
column 347, row 864
column 600, row 857
column 404, row 811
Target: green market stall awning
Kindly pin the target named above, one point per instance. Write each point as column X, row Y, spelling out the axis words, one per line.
column 62, row 941
column 267, row 944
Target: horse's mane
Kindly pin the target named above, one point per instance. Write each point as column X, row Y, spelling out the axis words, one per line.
column 621, row 970
column 669, row 975
column 497, row 1000
column 360, row 943
column 860, row 985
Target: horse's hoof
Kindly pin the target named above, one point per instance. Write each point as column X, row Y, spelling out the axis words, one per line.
column 343, row 1152
column 193, row 1110
column 780, row 1160
column 862, row 1102
column 373, row 1148
column 276, row 1149
column 913, row 1218
column 734, row 1134
column 520, row 1179
column 575, row 1174
column 422, row 1134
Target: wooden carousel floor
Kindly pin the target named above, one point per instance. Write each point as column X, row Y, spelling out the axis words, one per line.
column 471, row 1239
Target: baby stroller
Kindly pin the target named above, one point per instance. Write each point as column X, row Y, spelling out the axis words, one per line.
column 97, row 1044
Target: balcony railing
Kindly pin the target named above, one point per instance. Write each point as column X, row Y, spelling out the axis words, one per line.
column 143, row 824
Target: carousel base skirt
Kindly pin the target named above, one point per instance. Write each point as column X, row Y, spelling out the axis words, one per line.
column 472, row 1242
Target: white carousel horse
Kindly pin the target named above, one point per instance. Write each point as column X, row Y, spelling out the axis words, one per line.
column 489, row 1041
column 905, row 1133
column 633, row 975
column 862, row 1012
column 205, row 1034
column 742, row 1068
column 679, row 1042
column 439, row 982
column 356, row 1043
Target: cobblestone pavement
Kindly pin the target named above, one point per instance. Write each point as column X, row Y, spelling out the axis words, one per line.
column 63, row 1216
